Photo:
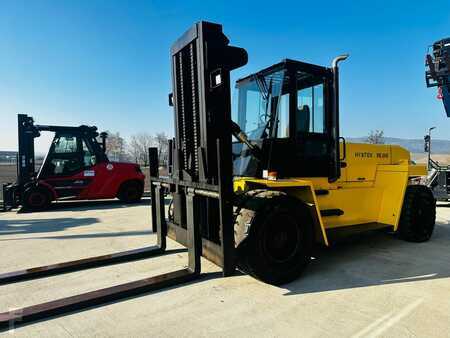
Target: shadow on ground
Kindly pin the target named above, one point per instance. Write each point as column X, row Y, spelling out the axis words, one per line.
column 77, row 205
column 81, row 236
column 375, row 258
column 93, row 205
column 14, row 227
column 50, row 225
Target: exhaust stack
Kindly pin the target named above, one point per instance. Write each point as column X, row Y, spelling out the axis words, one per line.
column 335, row 153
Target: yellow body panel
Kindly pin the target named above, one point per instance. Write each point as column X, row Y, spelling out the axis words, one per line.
column 370, row 189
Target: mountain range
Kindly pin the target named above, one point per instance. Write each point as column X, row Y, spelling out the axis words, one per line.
column 413, row 145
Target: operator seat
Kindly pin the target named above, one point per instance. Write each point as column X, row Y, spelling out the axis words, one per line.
column 302, row 119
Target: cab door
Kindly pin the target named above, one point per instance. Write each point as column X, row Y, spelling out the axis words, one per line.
column 310, row 125
column 68, row 166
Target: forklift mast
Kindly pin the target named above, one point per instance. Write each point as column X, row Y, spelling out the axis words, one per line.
column 201, row 83
column 201, row 180
column 27, row 132
column 437, row 73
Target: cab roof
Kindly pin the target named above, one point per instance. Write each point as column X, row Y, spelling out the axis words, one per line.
column 290, row 65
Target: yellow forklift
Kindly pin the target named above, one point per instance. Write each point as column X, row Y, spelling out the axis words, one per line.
column 288, row 182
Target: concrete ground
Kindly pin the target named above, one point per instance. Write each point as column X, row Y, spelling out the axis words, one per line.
column 372, row 286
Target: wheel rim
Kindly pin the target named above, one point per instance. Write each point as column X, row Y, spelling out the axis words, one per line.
column 36, row 199
column 281, row 239
column 132, row 193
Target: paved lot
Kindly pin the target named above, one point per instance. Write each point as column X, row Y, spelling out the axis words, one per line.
column 374, row 285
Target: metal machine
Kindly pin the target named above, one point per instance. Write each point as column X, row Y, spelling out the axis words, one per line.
column 289, row 182
column 437, row 74
column 438, row 180
column 75, row 167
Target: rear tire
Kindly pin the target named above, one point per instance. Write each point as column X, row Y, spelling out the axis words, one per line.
column 36, row 198
column 418, row 215
column 274, row 234
column 130, row 192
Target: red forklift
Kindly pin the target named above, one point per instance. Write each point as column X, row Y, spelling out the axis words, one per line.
column 76, row 167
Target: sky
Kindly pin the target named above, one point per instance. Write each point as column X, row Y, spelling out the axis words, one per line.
column 107, row 63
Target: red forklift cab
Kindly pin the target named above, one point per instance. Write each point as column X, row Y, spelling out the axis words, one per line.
column 76, row 167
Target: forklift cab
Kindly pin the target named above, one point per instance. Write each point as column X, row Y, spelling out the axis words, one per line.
column 70, row 164
column 286, row 110
column 70, row 153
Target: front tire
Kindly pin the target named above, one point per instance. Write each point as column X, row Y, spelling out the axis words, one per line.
column 418, row 215
column 130, row 192
column 36, row 199
column 274, row 234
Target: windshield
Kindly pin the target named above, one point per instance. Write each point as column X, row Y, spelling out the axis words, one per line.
column 262, row 112
column 258, row 105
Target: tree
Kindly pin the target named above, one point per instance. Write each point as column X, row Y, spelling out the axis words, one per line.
column 138, row 147
column 115, row 146
column 375, row 137
column 134, row 149
column 162, row 143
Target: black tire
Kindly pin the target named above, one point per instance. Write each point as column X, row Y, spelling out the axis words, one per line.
column 274, row 236
column 36, row 199
column 418, row 215
column 130, row 192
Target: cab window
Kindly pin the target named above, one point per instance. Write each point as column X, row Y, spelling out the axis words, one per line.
column 64, row 167
column 65, row 144
column 64, row 158
column 310, row 110
column 283, row 117
column 88, row 156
